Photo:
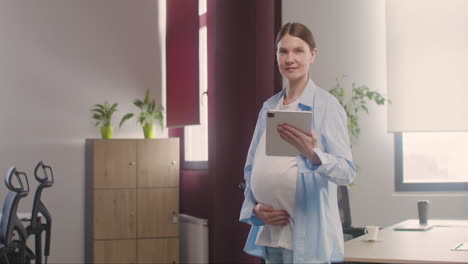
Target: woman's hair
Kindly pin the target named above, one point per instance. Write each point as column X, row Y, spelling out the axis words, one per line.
column 297, row 30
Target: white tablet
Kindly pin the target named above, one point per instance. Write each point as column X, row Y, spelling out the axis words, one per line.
column 275, row 145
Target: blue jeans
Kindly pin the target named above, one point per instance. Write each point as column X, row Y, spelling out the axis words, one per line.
column 278, row 255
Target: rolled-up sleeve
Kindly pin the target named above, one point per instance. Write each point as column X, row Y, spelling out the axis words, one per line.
column 335, row 151
column 246, row 214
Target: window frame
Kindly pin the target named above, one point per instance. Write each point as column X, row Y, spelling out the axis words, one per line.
column 199, row 165
column 195, row 165
column 401, row 186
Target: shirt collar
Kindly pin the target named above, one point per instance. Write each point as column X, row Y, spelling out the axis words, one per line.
column 306, row 101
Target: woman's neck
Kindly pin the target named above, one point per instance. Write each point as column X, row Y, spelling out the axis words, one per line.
column 295, row 89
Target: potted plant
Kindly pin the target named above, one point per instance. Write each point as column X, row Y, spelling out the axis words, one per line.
column 150, row 112
column 103, row 114
column 360, row 96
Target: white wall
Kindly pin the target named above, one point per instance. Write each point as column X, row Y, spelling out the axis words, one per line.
column 57, row 59
column 350, row 38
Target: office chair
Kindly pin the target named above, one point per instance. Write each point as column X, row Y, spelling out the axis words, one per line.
column 242, row 186
column 45, row 176
column 12, row 232
column 349, row 232
column 4, row 251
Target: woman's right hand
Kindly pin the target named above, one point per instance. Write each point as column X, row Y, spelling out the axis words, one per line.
column 271, row 216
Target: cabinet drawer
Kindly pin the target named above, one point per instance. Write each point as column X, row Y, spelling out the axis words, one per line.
column 156, row 211
column 164, row 250
column 115, row 251
column 115, row 164
column 115, row 214
column 158, row 163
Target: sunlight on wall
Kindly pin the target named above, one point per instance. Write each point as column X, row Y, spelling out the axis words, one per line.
column 162, row 39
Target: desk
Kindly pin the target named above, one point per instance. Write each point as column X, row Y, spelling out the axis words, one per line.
column 431, row 246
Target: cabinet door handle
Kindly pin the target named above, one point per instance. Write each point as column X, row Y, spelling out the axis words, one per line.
column 175, row 218
column 132, row 163
column 173, row 162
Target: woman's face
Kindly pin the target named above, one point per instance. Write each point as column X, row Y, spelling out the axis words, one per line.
column 294, row 57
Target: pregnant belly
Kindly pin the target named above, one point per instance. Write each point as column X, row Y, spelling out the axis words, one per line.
column 278, row 192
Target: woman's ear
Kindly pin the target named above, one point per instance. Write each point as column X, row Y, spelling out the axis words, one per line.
column 313, row 54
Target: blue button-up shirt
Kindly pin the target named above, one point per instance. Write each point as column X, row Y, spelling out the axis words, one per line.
column 318, row 235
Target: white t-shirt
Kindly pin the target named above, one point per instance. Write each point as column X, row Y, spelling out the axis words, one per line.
column 273, row 183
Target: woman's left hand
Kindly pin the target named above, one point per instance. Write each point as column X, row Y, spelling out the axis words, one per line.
column 304, row 142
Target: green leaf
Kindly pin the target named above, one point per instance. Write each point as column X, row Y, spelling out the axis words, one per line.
column 139, row 104
column 97, row 117
column 113, row 108
column 103, row 113
column 149, row 111
column 161, row 123
column 153, row 106
column 125, row 118
column 359, row 99
column 98, row 111
column 147, row 97
column 141, row 119
column 99, row 106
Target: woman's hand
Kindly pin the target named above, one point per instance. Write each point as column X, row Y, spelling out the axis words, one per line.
column 304, row 142
column 271, row 216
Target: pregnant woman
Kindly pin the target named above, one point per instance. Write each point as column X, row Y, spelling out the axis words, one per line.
column 291, row 202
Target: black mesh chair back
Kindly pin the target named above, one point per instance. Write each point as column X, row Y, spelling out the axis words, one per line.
column 343, row 205
column 349, row 231
column 45, row 177
column 17, row 183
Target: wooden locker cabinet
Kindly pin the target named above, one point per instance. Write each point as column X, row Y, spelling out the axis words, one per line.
column 132, row 201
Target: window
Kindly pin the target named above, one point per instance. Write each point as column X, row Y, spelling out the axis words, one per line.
column 426, row 80
column 431, row 161
column 196, row 136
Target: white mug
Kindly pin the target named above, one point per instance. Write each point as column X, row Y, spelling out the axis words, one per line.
column 372, row 232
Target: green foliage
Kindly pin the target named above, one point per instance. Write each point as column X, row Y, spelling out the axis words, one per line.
column 360, row 96
column 150, row 112
column 103, row 113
